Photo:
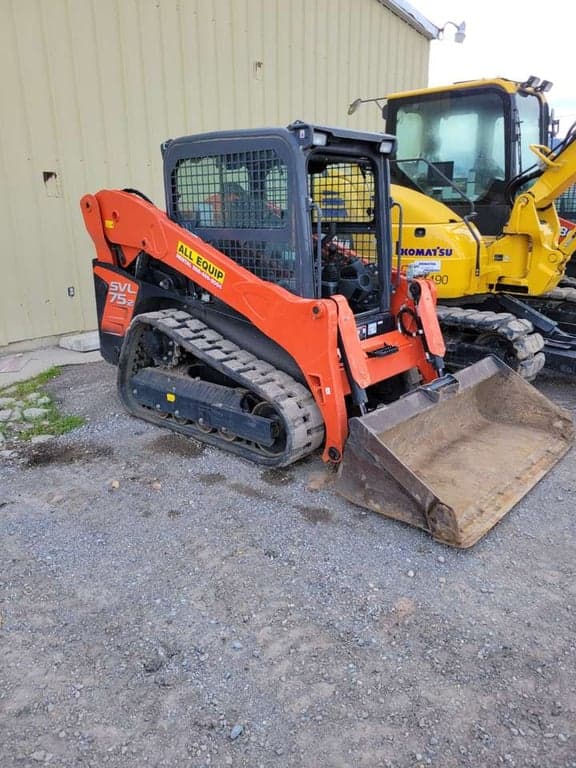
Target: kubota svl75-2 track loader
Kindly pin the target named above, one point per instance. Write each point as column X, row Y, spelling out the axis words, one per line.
column 246, row 319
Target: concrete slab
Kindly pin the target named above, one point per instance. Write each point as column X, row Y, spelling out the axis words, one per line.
column 12, row 363
column 26, row 365
column 81, row 342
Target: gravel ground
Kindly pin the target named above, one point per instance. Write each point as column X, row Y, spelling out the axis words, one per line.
column 166, row 604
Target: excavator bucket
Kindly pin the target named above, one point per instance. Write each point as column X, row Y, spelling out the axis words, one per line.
column 453, row 457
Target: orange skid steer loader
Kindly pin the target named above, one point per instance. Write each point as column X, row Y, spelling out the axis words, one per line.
column 245, row 318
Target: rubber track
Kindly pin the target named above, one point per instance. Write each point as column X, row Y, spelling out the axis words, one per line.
column 293, row 401
column 565, row 292
column 527, row 345
column 566, row 282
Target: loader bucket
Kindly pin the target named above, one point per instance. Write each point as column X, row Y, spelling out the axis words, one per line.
column 453, row 457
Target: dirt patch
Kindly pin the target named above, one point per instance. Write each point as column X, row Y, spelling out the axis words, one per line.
column 248, row 490
column 316, row 514
column 211, row 478
column 276, row 477
column 55, row 453
column 177, row 445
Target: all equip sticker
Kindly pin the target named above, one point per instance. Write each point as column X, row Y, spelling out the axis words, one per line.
column 201, row 264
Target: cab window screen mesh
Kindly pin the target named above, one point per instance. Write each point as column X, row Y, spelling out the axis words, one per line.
column 343, row 195
column 242, row 190
column 238, row 203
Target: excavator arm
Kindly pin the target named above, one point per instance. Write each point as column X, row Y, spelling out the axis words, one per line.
column 558, row 175
column 533, row 212
column 532, row 235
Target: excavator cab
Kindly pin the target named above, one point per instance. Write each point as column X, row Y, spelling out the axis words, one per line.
column 466, row 144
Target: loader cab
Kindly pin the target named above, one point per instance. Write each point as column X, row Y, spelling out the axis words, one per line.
column 304, row 207
column 466, row 143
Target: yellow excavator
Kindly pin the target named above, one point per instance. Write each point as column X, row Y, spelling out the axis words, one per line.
column 475, row 184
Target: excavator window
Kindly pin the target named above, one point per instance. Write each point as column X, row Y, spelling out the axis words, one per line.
column 529, row 108
column 464, row 130
column 239, row 202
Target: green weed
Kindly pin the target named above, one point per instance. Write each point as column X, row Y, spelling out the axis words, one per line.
column 52, row 422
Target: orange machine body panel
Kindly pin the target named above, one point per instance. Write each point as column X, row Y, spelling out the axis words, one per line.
column 120, row 301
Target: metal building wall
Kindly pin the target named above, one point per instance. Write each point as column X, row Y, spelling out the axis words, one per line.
column 90, row 88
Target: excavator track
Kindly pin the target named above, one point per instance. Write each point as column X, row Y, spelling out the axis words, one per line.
column 566, row 282
column 295, row 420
column 566, row 291
column 559, row 305
column 471, row 334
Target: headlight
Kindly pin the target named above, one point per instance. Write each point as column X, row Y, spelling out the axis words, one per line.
column 387, row 146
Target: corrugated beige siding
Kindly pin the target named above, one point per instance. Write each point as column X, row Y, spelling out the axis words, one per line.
column 90, row 88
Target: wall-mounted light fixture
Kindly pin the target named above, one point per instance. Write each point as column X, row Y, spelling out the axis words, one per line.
column 356, row 103
column 459, row 37
column 460, row 33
